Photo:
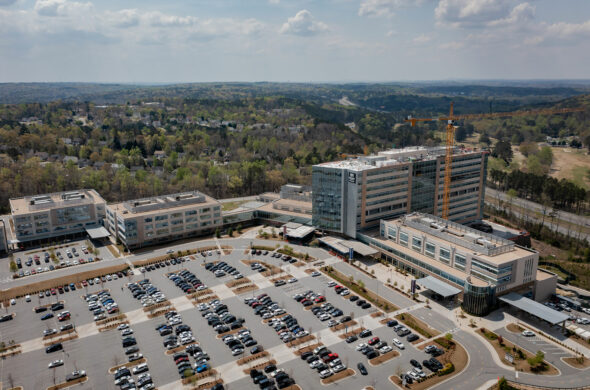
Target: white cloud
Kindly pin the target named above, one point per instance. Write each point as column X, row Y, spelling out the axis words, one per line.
column 567, row 30
column 452, row 45
column 61, row 7
column 304, row 24
column 124, row 18
column 422, row 39
column 520, row 15
column 384, row 8
column 274, row 1
column 471, row 13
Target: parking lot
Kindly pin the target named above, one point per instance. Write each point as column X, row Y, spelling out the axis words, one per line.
column 31, row 262
column 96, row 352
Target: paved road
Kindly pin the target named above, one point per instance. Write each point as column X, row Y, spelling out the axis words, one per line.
column 536, row 209
column 563, row 215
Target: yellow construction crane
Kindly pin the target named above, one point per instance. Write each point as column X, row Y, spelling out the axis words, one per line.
column 451, row 118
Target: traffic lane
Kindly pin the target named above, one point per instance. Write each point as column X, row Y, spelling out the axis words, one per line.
column 434, row 319
column 374, row 285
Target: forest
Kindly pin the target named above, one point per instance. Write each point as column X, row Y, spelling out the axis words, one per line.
column 235, row 139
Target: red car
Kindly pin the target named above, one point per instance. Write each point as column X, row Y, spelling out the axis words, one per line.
column 84, row 283
column 320, row 299
column 373, row 341
column 53, row 292
column 329, row 357
column 64, row 316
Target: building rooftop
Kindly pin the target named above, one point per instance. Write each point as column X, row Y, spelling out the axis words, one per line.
column 31, row 204
column 392, row 157
column 139, row 207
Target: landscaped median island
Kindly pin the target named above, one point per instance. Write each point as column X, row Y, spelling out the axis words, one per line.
column 418, row 325
column 387, row 356
column 524, row 360
column 580, row 362
column 359, row 288
column 454, row 360
column 338, row 376
column 68, row 384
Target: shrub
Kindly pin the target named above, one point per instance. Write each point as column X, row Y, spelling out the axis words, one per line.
column 447, row 369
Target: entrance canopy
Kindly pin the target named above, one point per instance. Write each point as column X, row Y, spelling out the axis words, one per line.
column 343, row 246
column 97, row 232
column 438, row 286
column 535, row 308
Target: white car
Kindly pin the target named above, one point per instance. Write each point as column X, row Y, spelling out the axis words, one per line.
column 315, row 273
column 413, row 375
column 315, row 364
column 385, row 349
column 55, row 363
column 419, row 372
column 583, row 321
column 398, row 343
column 361, row 346
column 332, row 284
column 127, row 332
column 344, row 292
column 28, row 298
column 169, row 251
column 338, row 368
column 528, row 333
column 13, row 301
column 325, row 373
column 292, row 280
column 122, row 326
column 49, row 332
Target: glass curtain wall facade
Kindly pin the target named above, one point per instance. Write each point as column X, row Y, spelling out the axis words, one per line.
column 478, row 300
column 423, row 186
column 327, row 198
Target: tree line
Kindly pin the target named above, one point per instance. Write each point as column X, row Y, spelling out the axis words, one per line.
column 562, row 194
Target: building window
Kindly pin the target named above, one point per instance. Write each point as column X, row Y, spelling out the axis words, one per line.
column 190, row 212
column 161, row 225
column 417, row 244
column 391, row 232
column 430, row 250
column 444, row 255
column 176, row 215
column 460, row 262
column 161, row 217
column 148, row 220
column 403, row 238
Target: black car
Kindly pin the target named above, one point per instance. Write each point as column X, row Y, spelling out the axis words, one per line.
column 57, row 306
column 54, row 348
column 131, row 350
column 412, row 337
column 306, row 355
column 128, row 342
column 365, row 333
column 6, row 317
column 256, row 349
column 351, row 339
column 40, row 309
column 362, row 369
column 415, row 363
column 373, row 354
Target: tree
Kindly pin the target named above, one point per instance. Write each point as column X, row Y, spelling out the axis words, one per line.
column 484, row 138
column 218, row 232
column 511, row 195
column 545, row 156
column 239, row 228
column 503, row 150
column 230, row 231
column 13, row 266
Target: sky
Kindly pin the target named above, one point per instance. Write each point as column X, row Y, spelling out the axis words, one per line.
column 147, row 41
